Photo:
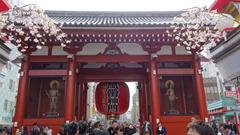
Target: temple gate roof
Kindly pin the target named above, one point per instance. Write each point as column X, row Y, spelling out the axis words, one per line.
column 113, row 19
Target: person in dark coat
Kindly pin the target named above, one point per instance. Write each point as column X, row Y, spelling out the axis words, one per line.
column 199, row 128
column 35, row 130
column 131, row 130
column 113, row 130
column 227, row 130
column 147, row 130
column 4, row 131
column 161, row 130
column 24, row 130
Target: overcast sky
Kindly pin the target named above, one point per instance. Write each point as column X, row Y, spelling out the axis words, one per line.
column 119, row 5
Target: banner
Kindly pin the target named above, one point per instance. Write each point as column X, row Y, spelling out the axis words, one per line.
column 238, row 94
column 230, row 93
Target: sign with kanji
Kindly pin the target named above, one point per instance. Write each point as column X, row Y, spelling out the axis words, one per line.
column 112, row 98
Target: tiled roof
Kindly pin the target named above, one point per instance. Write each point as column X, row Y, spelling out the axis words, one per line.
column 113, row 19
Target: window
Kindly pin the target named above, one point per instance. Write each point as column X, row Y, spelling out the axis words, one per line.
column 11, row 85
column 208, row 90
column 1, row 84
column 211, row 89
column 5, row 107
column 11, row 107
column 216, row 89
column 9, row 66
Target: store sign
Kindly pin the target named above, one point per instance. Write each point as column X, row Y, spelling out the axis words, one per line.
column 230, row 93
column 238, row 94
column 112, row 98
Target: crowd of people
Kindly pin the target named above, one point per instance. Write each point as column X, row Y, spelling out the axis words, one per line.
column 77, row 128
column 202, row 128
column 97, row 128
column 195, row 127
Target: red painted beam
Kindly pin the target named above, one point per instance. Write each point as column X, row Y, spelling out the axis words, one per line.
column 111, row 71
column 175, row 58
column 113, row 78
column 47, row 72
column 175, row 71
column 175, row 119
column 43, row 122
column 219, row 5
column 48, row 59
column 104, row 58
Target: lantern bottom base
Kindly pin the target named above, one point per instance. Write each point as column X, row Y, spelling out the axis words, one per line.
column 112, row 117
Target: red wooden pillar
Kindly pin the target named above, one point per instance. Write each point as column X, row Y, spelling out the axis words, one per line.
column 154, row 94
column 22, row 94
column 85, row 101
column 202, row 106
column 70, row 91
column 140, row 98
column 83, row 108
column 80, row 101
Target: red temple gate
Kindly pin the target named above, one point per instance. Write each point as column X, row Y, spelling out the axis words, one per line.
column 114, row 47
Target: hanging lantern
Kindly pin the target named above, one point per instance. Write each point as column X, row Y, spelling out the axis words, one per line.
column 112, row 99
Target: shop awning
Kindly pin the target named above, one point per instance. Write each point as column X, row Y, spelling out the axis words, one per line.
column 4, row 6
column 229, row 114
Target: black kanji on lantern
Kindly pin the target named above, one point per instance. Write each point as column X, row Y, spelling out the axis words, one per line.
column 112, row 92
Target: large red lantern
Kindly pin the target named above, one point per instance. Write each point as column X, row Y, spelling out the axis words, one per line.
column 112, row 98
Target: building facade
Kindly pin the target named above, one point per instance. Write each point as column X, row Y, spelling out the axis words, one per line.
column 9, row 72
column 135, row 108
column 226, row 56
column 8, row 86
column 111, row 47
column 213, row 84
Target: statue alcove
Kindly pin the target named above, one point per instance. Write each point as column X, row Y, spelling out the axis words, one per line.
column 38, row 102
column 185, row 102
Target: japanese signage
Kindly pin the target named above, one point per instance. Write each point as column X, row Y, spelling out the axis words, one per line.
column 230, row 93
column 238, row 94
column 112, row 97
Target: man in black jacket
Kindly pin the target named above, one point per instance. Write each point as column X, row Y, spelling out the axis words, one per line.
column 113, row 130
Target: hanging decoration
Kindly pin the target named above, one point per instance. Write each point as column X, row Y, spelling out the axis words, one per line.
column 112, row 98
column 197, row 27
column 29, row 28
